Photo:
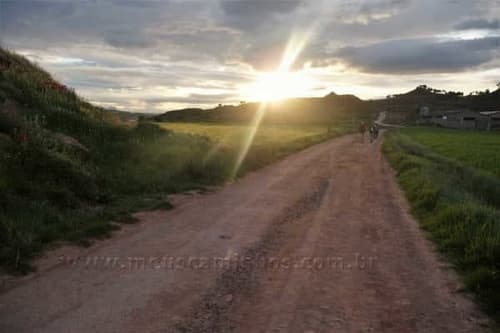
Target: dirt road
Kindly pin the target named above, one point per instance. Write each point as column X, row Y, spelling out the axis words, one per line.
column 319, row 242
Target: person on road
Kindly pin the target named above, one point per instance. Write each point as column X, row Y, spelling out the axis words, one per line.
column 373, row 132
column 362, row 129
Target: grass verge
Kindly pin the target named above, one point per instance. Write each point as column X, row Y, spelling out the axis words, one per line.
column 460, row 208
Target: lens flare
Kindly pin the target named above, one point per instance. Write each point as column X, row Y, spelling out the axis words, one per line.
column 247, row 143
column 272, row 86
column 293, row 49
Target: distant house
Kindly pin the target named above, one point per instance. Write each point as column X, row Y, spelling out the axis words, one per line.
column 423, row 111
column 460, row 119
column 490, row 120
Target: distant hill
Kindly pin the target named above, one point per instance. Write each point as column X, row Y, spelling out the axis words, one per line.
column 484, row 101
column 332, row 106
column 440, row 100
column 129, row 117
column 295, row 110
column 403, row 108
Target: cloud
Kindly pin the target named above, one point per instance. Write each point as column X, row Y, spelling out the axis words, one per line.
column 421, row 55
column 365, row 12
column 264, row 28
column 199, row 99
column 254, row 15
column 128, row 39
column 478, row 24
column 127, row 53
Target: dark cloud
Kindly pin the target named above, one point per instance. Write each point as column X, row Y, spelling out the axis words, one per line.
column 421, row 55
column 352, row 26
column 253, row 7
column 20, row 14
column 128, row 39
column 61, row 23
column 369, row 7
column 365, row 12
column 265, row 27
column 478, row 24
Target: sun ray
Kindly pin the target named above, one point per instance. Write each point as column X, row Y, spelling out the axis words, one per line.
column 274, row 86
column 247, row 143
column 293, row 49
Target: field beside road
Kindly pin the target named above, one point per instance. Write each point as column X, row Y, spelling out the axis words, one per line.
column 233, row 134
column 451, row 179
column 266, row 144
column 475, row 149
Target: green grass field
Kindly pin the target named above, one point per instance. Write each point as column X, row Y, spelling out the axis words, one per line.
column 233, row 135
column 476, row 149
column 452, row 182
column 270, row 142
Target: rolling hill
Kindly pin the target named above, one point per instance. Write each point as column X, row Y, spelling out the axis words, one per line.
column 441, row 100
column 321, row 110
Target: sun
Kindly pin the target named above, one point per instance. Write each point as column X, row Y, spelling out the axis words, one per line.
column 275, row 86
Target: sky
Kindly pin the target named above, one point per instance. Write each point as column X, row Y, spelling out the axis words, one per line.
column 154, row 56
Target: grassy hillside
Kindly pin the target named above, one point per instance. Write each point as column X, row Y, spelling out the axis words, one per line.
column 71, row 171
column 67, row 168
column 451, row 179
